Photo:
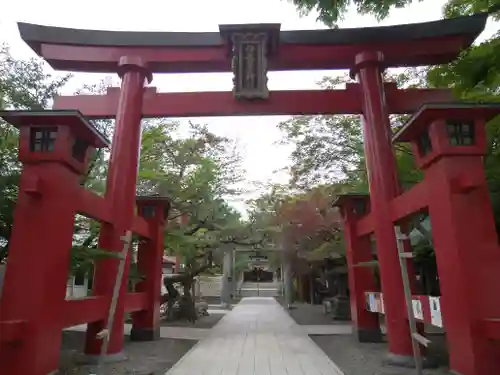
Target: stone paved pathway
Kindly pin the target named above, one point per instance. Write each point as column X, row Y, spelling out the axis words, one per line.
column 257, row 337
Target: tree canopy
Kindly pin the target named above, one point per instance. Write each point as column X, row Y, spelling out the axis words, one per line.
column 331, row 12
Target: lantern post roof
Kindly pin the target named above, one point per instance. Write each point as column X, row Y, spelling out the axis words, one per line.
column 153, row 198
column 460, row 111
column 54, row 117
column 342, row 199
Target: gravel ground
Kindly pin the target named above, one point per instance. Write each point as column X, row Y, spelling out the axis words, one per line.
column 306, row 314
column 202, row 322
column 143, row 358
column 352, row 357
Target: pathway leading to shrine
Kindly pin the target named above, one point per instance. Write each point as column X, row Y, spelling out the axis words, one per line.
column 257, row 337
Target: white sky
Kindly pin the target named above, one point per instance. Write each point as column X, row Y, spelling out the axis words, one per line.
column 256, row 136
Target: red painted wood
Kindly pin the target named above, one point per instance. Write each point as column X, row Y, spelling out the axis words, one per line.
column 412, row 201
column 12, row 332
column 83, row 310
column 491, row 328
column 120, row 196
column 384, row 187
column 358, row 249
column 303, row 102
column 287, row 57
column 141, row 227
column 136, row 302
column 149, row 262
column 466, row 248
column 365, row 225
column 39, row 247
column 38, row 262
column 92, row 205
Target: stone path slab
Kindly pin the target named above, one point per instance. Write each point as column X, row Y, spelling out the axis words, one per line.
column 257, row 337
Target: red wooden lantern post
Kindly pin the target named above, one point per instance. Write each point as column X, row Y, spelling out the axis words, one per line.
column 146, row 323
column 120, row 196
column 361, row 279
column 449, row 141
column 55, row 149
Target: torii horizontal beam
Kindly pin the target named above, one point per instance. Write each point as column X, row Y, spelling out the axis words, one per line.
column 418, row 44
column 206, row 104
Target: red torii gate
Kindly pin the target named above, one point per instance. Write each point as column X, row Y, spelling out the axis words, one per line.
column 251, row 51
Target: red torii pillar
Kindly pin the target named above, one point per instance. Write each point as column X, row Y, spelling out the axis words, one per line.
column 384, row 186
column 120, row 195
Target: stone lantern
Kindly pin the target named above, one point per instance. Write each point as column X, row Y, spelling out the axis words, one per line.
column 449, row 143
column 62, row 136
column 440, row 130
column 153, row 207
column 146, row 323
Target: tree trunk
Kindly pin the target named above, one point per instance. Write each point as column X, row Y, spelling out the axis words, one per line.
column 300, row 288
column 187, row 306
column 287, row 275
column 311, row 288
column 227, row 278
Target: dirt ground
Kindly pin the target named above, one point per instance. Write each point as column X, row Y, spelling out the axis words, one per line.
column 352, row 357
column 143, row 358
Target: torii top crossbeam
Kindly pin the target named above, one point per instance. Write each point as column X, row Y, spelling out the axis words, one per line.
column 427, row 43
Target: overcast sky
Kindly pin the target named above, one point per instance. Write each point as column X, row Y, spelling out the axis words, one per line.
column 256, row 136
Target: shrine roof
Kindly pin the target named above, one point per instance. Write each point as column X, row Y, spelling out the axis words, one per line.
column 36, row 35
column 72, row 118
column 435, row 42
column 429, row 112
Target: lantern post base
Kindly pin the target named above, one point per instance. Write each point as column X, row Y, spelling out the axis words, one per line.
column 408, row 361
column 341, row 308
column 91, row 359
column 369, row 335
column 144, row 334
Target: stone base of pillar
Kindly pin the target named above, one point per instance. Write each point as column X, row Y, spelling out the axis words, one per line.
column 144, row 334
column 408, row 361
column 341, row 308
column 94, row 359
column 369, row 335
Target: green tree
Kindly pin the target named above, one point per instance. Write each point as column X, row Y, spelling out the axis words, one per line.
column 329, row 149
column 331, row 12
column 198, row 172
